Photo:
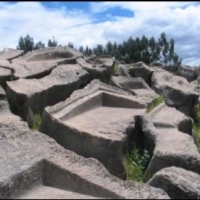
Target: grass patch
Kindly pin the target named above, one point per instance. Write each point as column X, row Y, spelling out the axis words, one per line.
column 36, row 121
column 136, row 164
column 196, row 124
column 156, row 102
column 114, row 69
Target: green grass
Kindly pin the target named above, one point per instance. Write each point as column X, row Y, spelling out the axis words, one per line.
column 156, row 102
column 196, row 128
column 136, row 164
column 114, row 69
column 36, row 121
column 196, row 124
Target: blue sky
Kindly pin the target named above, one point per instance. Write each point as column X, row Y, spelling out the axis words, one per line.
column 92, row 23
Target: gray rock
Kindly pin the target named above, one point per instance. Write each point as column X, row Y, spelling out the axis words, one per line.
column 169, row 147
column 136, row 86
column 178, row 183
column 36, row 94
column 105, row 118
column 187, row 72
column 34, row 166
column 141, row 70
column 122, row 71
column 9, row 54
column 41, row 62
column 176, row 91
column 94, row 71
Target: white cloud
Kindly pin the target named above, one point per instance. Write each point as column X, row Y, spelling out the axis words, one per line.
column 179, row 20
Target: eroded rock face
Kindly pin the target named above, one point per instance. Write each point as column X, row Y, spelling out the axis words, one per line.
column 38, row 63
column 140, row 69
column 187, row 72
column 34, row 166
column 105, row 117
column 169, row 147
column 9, row 54
column 136, row 86
column 36, row 94
column 98, row 68
column 177, row 182
column 176, row 90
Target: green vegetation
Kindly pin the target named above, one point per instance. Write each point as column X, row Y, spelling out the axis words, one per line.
column 196, row 124
column 156, row 102
column 136, row 164
column 36, row 121
column 114, row 69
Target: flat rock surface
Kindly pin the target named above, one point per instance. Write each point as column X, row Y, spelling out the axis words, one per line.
column 170, row 147
column 42, row 61
column 9, row 53
column 44, row 192
column 108, row 122
column 178, row 183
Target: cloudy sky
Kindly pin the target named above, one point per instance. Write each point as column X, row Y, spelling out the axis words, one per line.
column 92, row 23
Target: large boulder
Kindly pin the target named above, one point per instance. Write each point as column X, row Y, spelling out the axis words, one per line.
column 169, row 147
column 122, row 70
column 178, row 183
column 34, row 166
column 95, row 72
column 137, row 86
column 176, row 91
column 105, row 117
column 140, row 69
column 38, row 63
column 9, row 54
column 187, row 72
column 36, row 94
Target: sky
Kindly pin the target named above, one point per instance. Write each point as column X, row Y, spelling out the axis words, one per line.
column 92, row 23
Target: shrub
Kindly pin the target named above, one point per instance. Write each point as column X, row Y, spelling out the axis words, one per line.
column 156, row 102
column 36, row 121
column 136, row 164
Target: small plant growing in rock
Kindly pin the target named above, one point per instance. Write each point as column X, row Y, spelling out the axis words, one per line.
column 196, row 124
column 36, row 121
column 136, row 164
column 156, row 102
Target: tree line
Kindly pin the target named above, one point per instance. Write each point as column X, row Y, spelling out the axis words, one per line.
column 132, row 50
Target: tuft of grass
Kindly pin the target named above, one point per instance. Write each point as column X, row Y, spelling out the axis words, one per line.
column 36, row 121
column 136, row 164
column 114, row 69
column 196, row 124
column 156, row 102
column 196, row 129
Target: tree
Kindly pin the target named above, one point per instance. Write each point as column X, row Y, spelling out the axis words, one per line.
column 70, row 45
column 52, row 43
column 81, row 49
column 39, row 45
column 26, row 43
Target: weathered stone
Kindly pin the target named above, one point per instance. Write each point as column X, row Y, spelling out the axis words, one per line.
column 139, row 69
column 136, row 86
column 35, row 166
column 38, row 63
column 122, row 70
column 36, row 94
column 178, row 183
column 5, row 75
column 169, row 147
column 105, row 120
column 168, row 117
column 176, row 90
column 2, row 93
column 9, row 54
column 95, row 72
column 187, row 72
